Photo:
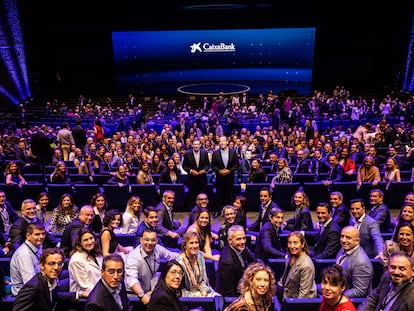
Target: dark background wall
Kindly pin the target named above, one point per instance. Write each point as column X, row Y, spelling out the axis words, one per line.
column 69, row 49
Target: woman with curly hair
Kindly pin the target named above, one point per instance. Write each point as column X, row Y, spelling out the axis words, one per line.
column 62, row 215
column 257, row 288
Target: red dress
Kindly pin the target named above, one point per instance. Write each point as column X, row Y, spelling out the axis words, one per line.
column 345, row 306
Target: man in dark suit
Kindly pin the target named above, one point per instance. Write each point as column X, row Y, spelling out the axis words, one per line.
column 84, row 219
column 9, row 215
column 356, row 266
column 234, row 259
column 380, row 211
column 41, row 292
column 79, row 135
column 395, row 291
column 266, row 205
column 224, row 163
column 302, row 164
column 18, row 229
column 109, row 293
column 268, row 244
column 166, row 220
column 327, row 241
column 196, row 164
column 40, row 148
column 336, row 172
column 340, row 213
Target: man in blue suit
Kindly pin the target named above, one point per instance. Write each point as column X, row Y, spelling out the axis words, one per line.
column 356, row 266
column 369, row 231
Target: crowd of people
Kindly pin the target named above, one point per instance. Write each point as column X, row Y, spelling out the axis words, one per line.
column 104, row 271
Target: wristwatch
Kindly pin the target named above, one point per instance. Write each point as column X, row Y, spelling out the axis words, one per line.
column 140, row 295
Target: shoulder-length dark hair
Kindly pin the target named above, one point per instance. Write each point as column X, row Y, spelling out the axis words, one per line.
column 161, row 282
column 95, row 252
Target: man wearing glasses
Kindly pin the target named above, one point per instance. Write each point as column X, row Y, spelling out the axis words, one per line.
column 143, row 263
column 109, row 293
column 41, row 291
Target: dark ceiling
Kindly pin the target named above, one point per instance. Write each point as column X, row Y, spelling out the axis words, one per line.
column 359, row 47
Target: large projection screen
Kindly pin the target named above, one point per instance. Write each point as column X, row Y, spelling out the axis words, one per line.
column 206, row 62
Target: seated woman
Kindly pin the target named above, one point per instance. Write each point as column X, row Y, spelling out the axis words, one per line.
column 196, row 282
column 165, row 296
column 144, row 176
column 109, row 244
column 368, row 172
column 347, row 163
column 405, row 240
column 298, row 279
column 99, row 204
column 202, row 226
column 391, row 172
column 130, row 218
column 333, row 286
column 405, row 214
column 157, row 166
column 256, row 173
column 284, row 174
column 120, row 178
column 62, row 215
column 170, row 174
column 12, row 174
column 60, row 175
column 85, row 262
column 240, row 208
column 302, row 220
column 257, row 288
column 42, row 206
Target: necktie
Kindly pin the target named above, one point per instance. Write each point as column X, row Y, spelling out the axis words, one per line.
column 341, row 259
column 117, row 298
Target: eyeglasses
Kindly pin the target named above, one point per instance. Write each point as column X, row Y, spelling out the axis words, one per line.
column 177, row 272
column 112, row 271
column 54, row 263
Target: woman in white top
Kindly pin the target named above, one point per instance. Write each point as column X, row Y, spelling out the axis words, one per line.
column 130, row 218
column 85, row 262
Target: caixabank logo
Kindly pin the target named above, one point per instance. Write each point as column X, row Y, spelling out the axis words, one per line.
column 212, row 48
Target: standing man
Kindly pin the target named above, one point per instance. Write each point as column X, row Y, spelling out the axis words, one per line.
column 395, row 291
column 65, row 140
column 40, row 293
column 369, row 231
column 41, row 149
column 109, row 293
column 79, row 135
column 224, row 163
column 196, row 164
column 356, row 266
column 327, row 241
column 234, row 259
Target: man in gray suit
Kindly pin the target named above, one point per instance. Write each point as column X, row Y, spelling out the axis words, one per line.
column 357, row 267
column 395, row 291
column 369, row 231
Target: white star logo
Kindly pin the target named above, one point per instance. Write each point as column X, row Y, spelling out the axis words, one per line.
column 195, row 47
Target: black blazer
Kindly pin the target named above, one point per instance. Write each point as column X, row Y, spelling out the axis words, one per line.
column 100, row 299
column 13, row 216
column 34, row 295
column 268, row 244
column 336, row 173
column 327, row 244
column 18, row 231
column 217, row 165
column 256, row 225
column 230, row 270
column 162, row 300
column 341, row 215
column 67, row 242
column 189, row 163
